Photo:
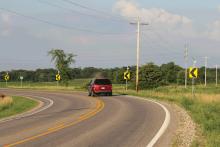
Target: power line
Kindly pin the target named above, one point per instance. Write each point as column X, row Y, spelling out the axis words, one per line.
column 162, row 38
column 56, row 24
column 77, row 12
column 159, row 45
column 117, row 18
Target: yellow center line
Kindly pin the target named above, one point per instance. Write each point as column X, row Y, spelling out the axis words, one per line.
column 99, row 106
column 55, row 127
column 61, row 122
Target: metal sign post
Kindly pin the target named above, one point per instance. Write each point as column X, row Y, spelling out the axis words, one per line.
column 193, row 78
column 126, row 87
column 21, row 78
column 58, row 78
column 127, row 79
column 6, row 79
column 127, row 76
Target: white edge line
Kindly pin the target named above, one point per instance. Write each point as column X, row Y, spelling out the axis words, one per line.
column 19, row 116
column 164, row 125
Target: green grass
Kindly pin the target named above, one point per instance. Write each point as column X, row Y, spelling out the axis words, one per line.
column 77, row 84
column 20, row 104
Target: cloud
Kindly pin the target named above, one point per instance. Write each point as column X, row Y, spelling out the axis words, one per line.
column 214, row 30
column 130, row 9
column 57, row 34
column 218, row 8
column 5, row 18
column 5, row 21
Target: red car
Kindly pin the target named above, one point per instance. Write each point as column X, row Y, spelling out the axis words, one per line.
column 100, row 86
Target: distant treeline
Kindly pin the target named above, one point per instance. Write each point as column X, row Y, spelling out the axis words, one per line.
column 151, row 75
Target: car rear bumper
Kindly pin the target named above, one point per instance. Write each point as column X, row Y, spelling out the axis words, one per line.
column 103, row 91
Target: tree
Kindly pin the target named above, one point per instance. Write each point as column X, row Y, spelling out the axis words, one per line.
column 170, row 72
column 150, row 76
column 62, row 63
column 181, row 77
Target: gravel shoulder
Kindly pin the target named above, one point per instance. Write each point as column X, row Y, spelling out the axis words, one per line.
column 181, row 131
column 186, row 130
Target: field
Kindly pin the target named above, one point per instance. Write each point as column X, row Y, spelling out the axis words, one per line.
column 204, row 106
column 18, row 105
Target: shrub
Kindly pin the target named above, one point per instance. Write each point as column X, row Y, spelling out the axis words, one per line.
column 5, row 102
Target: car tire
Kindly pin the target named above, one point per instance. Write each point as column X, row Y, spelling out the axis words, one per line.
column 110, row 94
column 92, row 94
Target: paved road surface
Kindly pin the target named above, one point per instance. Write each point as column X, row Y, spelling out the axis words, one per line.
column 76, row 120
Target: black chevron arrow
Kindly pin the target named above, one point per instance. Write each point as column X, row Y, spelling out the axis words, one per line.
column 193, row 72
column 126, row 75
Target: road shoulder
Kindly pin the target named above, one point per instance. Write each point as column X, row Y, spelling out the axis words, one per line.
column 181, row 131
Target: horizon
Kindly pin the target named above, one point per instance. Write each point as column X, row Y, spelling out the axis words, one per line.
column 104, row 68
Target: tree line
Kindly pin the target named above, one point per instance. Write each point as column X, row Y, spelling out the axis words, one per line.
column 151, row 75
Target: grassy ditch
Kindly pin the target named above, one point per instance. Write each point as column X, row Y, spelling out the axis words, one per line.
column 204, row 108
column 14, row 105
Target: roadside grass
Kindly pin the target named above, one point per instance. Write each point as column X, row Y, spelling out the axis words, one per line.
column 19, row 105
column 77, row 84
column 204, row 106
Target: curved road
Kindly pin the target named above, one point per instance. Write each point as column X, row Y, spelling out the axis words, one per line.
column 76, row 120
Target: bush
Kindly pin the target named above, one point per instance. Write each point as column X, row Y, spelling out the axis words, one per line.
column 5, row 102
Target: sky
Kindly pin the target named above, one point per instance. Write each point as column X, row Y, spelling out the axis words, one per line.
column 100, row 34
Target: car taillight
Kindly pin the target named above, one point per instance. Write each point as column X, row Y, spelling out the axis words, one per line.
column 95, row 87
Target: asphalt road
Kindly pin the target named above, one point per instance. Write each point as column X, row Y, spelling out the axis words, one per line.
column 76, row 120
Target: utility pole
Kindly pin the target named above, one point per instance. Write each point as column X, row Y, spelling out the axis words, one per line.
column 216, row 75
column 138, row 23
column 186, row 62
column 206, row 61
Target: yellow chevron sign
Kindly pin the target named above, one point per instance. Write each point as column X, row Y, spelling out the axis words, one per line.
column 193, row 72
column 127, row 75
column 7, row 77
column 58, row 77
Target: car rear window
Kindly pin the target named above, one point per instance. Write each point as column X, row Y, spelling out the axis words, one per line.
column 102, row 82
